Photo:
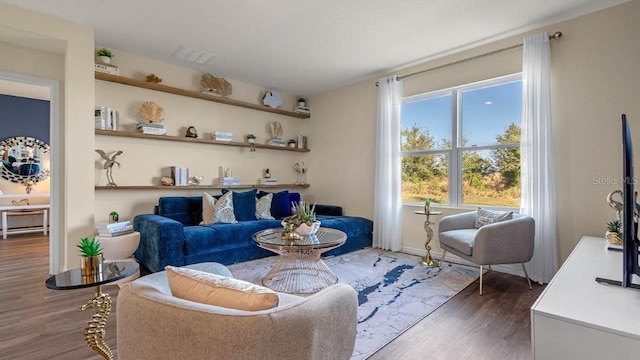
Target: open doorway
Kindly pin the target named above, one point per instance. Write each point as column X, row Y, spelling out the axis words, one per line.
column 34, row 176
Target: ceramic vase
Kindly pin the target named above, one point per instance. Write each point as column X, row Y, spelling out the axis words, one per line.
column 105, row 59
column 91, row 265
column 305, row 229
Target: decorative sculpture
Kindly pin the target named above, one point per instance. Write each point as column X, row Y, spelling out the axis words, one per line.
column 108, row 165
column 151, row 112
column 275, row 128
column 153, row 78
column 215, row 85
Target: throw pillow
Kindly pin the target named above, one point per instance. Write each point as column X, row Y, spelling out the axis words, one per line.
column 263, row 207
column 486, row 217
column 217, row 210
column 213, row 289
column 244, row 204
column 280, row 205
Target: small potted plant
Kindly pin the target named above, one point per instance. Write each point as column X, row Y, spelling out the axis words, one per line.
column 91, row 253
column 105, row 55
column 303, row 221
column 427, row 206
column 613, row 235
column 113, row 217
column 302, row 102
column 291, row 143
column 251, row 138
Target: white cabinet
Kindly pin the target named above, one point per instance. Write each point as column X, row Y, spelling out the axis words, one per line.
column 578, row 318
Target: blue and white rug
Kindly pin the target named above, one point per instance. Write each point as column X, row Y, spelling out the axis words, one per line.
column 394, row 291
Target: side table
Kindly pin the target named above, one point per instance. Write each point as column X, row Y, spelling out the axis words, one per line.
column 73, row 279
column 428, row 261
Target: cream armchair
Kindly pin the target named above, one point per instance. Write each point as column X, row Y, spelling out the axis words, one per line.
column 153, row 324
column 506, row 242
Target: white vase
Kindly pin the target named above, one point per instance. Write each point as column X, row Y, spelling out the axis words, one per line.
column 251, row 141
column 305, row 229
column 105, row 59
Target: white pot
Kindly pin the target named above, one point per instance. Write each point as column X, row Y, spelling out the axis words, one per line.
column 251, row 140
column 301, row 103
column 305, row 229
column 292, row 145
column 105, row 59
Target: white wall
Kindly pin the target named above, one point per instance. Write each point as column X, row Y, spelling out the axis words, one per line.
column 595, row 78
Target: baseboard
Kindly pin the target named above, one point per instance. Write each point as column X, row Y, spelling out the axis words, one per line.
column 512, row 269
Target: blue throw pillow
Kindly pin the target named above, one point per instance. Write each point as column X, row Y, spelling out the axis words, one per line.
column 280, row 205
column 244, row 204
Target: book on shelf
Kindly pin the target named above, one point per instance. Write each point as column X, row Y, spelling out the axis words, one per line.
column 116, row 233
column 222, row 133
column 180, row 176
column 150, row 125
column 221, row 136
column 277, row 142
column 267, row 181
column 116, row 230
column 302, row 110
column 227, row 181
column 152, row 130
column 302, row 142
column 107, row 69
column 106, row 118
column 104, row 225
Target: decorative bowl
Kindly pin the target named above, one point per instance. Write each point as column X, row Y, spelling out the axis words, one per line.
column 305, row 229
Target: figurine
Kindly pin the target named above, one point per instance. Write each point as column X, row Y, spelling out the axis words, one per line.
column 108, row 165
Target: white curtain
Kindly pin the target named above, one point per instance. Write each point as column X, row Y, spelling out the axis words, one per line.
column 387, row 212
column 538, row 182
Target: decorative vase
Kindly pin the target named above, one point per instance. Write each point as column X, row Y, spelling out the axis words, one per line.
column 113, row 218
column 427, row 209
column 305, row 229
column 105, row 59
column 613, row 238
column 301, row 103
column 91, row 265
column 292, row 145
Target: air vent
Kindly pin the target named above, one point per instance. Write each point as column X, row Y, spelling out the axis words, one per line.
column 192, row 55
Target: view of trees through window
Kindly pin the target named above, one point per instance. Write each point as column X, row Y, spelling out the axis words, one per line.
column 486, row 170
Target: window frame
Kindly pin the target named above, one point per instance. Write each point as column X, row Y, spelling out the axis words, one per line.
column 454, row 153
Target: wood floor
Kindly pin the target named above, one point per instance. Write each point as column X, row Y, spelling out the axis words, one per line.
column 38, row 323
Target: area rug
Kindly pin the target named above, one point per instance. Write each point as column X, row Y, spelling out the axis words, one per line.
column 394, row 291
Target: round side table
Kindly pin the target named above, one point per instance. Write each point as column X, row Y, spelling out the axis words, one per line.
column 428, row 261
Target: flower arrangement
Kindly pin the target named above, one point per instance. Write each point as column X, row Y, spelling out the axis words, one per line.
column 303, row 220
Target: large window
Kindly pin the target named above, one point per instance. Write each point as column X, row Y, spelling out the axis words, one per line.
column 461, row 146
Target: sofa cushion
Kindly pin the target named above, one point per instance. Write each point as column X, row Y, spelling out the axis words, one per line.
column 217, row 210
column 212, row 289
column 263, row 207
column 280, row 204
column 461, row 240
column 215, row 237
column 244, row 204
column 486, row 217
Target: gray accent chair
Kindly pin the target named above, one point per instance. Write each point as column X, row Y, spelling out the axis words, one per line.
column 506, row 242
column 153, row 324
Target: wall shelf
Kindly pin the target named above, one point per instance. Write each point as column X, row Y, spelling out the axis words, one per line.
column 193, row 94
column 194, row 140
column 202, row 187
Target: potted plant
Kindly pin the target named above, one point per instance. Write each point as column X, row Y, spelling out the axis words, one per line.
column 251, row 138
column 291, row 143
column 91, row 252
column 427, row 206
column 113, row 217
column 614, row 235
column 105, row 55
column 302, row 102
column 303, row 221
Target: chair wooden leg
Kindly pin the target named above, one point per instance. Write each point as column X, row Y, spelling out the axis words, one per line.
column 444, row 252
column 480, row 280
column 524, row 268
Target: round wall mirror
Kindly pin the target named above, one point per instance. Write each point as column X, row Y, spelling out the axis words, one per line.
column 24, row 158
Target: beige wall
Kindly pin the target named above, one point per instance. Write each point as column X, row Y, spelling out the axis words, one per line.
column 144, row 161
column 595, row 78
column 75, row 206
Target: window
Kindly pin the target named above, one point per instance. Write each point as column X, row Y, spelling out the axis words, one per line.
column 461, row 146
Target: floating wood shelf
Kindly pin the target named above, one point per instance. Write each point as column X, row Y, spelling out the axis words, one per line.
column 201, row 187
column 192, row 94
column 194, row 140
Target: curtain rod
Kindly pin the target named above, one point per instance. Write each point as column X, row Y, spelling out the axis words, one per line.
column 557, row 35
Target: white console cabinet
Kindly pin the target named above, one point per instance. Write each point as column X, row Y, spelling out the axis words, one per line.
column 577, row 318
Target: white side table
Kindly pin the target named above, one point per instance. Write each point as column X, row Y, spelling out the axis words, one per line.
column 120, row 249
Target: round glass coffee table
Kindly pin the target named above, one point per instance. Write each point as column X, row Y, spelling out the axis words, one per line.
column 299, row 269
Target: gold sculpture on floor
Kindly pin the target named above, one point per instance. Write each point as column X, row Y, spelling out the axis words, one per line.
column 94, row 332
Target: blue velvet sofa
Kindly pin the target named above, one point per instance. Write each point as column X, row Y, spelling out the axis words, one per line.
column 172, row 236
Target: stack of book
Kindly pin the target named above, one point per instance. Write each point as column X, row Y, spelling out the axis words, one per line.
column 153, row 129
column 107, row 69
column 277, row 142
column 180, row 176
column 221, row 136
column 267, row 181
column 114, row 229
column 302, row 142
column 302, row 110
column 106, row 118
column 226, row 181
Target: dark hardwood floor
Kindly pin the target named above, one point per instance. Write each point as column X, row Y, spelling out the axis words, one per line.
column 38, row 323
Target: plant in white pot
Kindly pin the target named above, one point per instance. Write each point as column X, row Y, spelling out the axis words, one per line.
column 251, row 138
column 105, row 55
column 303, row 221
column 291, row 143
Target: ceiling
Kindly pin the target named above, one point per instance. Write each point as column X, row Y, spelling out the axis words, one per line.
column 307, row 46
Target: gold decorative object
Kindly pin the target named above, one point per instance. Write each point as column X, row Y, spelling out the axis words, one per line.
column 428, row 260
column 91, row 265
column 152, row 78
column 166, row 181
column 21, row 202
column 151, row 112
column 94, row 332
column 275, row 128
column 215, row 85
column 108, row 165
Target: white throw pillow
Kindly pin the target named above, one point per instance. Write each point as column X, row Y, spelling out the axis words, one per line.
column 213, row 289
column 217, row 211
column 486, row 217
column 263, row 207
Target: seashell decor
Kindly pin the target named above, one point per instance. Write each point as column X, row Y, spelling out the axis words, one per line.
column 216, row 85
column 151, row 112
